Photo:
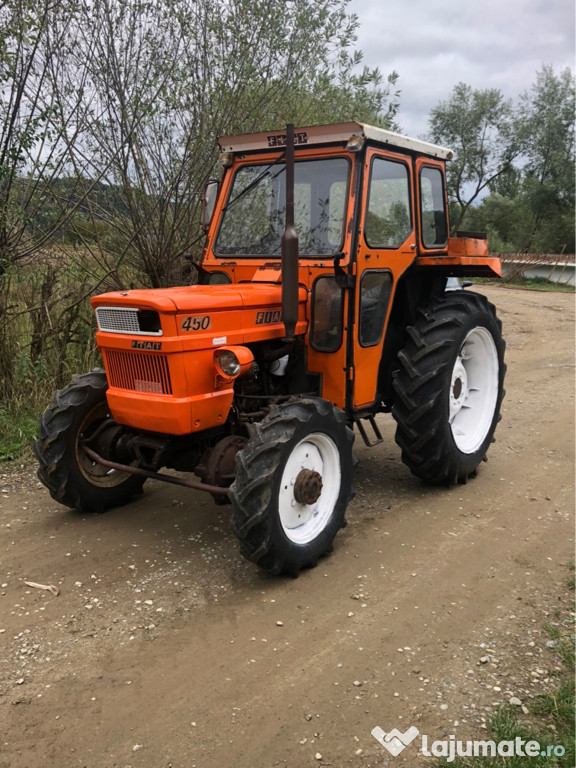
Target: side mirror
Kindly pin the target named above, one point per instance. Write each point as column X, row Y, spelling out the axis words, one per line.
column 209, row 196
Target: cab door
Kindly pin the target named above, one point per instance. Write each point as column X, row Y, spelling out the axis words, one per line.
column 386, row 247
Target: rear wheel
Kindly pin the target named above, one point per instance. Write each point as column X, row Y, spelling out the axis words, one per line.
column 293, row 485
column 77, row 413
column 449, row 388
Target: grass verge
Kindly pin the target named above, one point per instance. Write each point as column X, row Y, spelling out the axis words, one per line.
column 18, row 428
column 555, row 711
column 528, row 284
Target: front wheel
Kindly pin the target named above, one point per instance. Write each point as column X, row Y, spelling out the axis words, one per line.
column 79, row 413
column 449, row 388
column 293, row 485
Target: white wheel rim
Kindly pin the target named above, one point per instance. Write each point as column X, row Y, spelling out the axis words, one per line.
column 473, row 390
column 302, row 523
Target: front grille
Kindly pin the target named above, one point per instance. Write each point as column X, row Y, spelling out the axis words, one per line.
column 122, row 320
column 138, row 372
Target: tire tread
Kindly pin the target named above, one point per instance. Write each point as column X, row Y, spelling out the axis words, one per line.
column 419, row 386
column 252, row 491
column 57, row 469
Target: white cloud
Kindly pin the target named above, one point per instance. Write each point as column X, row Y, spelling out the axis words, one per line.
column 435, row 44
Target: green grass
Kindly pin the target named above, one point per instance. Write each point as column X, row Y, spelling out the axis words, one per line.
column 528, row 284
column 554, row 710
column 541, row 284
column 18, row 428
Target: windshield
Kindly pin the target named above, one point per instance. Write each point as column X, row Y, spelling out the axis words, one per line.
column 253, row 219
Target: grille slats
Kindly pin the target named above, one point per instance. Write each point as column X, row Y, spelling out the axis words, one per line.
column 122, row 320
column 138, row 372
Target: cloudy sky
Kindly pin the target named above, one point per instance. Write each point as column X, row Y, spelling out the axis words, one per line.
column 435, row 44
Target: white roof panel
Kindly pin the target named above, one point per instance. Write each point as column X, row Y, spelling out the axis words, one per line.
column 336, row 133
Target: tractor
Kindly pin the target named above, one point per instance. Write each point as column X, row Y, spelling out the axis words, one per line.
column 320, row 302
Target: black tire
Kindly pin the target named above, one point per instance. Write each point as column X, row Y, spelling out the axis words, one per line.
column 273, row 515
column 70, row 476
column 449, row 388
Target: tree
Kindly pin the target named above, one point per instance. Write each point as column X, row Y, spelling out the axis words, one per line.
column 501, row 217
column 166, row 80
column 109, row 113
column 42, row 122
column 547, row 128
column 31, row 148
column 480, row 127
column 531, row 207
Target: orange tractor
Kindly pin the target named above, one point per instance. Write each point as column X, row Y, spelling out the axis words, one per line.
column 321, row 301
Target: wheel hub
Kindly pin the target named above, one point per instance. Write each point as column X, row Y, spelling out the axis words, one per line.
column 220, row 465
column 99, row 432
column 308, row 486
column 458, row 388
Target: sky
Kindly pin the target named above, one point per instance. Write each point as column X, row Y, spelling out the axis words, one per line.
column 436, row 44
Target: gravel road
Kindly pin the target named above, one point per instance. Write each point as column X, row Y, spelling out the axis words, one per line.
column 164, row 648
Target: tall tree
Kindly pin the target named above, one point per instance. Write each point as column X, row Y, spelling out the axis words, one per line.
column 38, row 127
column 531, row 208
column 166, row 80
column 109, row 113
column 479, row 125
column 547, row 128
column 42, row 119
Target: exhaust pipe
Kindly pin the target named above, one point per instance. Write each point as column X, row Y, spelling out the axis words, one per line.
column 289, row 247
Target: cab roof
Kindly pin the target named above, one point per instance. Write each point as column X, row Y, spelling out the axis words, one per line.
column 336, row 133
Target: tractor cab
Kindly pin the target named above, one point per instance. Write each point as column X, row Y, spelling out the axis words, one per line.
column 371, row 219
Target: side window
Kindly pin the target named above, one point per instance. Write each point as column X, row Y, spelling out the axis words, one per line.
column 432, row 208
column 375, row 290
column 327, row 303
column 388, row 220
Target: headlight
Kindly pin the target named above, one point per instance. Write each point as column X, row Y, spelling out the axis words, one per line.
column 228, row 363
column 231, row 362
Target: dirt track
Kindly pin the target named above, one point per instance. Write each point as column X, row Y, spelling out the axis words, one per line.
column 164, row 648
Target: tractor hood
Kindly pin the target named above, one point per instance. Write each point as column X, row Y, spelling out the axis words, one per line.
column 197, row 298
